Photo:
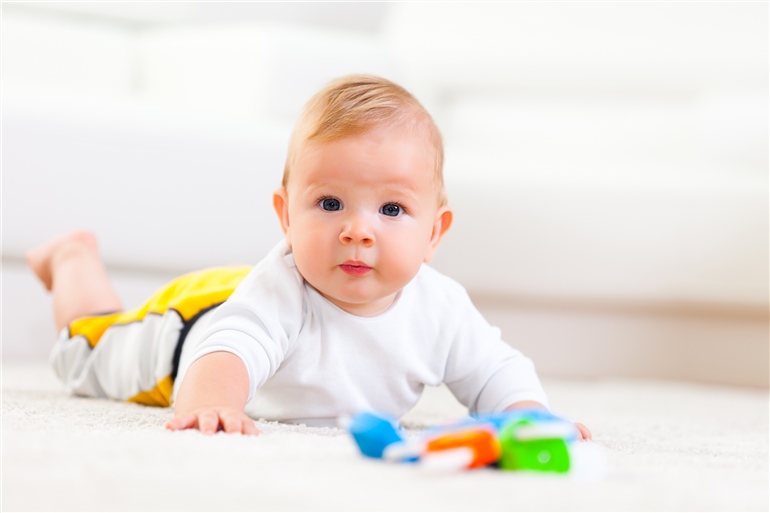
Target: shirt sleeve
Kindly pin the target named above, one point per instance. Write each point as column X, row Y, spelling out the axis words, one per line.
column 484, row 372
column 260, row 321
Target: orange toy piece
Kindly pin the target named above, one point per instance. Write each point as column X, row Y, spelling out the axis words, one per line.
column 480, row 441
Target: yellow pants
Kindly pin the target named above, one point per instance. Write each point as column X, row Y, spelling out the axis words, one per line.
column 134, row 355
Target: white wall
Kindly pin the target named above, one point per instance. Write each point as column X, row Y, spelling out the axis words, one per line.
column 605, row 160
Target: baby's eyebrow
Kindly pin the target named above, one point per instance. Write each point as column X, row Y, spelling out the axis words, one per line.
column 316, row 186
column 401, row 193
column 394, row 190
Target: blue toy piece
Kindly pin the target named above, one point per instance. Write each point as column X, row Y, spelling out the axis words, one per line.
column 374, row 432
column 532, row 416
column 501, row 419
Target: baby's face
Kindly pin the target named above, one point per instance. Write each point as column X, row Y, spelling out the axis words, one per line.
column 361, row 215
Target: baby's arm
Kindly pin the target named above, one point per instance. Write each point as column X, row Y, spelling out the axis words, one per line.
column 585, row 434
column 213, row 394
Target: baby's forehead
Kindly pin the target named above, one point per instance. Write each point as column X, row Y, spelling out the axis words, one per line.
column 368, row 152
column 409, row 132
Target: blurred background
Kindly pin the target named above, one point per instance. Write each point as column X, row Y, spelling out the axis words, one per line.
column 607, row 162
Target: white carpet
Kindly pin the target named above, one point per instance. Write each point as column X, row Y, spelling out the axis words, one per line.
column 668, row 446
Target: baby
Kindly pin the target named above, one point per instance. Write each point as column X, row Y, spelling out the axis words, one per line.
column 341, row 316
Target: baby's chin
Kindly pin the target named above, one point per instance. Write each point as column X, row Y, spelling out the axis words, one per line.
column 361, row 306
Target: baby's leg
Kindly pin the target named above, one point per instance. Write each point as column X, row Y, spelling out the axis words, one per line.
column 71, row 268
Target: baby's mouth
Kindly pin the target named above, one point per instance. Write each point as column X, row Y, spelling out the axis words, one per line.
column 355, row 268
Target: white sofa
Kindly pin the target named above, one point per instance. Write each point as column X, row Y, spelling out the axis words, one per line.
column 610, row 187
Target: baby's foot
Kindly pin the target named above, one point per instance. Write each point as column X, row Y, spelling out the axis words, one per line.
column 39, row 259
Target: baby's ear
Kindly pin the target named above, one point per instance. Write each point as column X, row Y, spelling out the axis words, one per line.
column 444, row 218
column 281, row 206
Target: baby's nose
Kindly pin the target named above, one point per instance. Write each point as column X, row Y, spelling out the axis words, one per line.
column 357, row 231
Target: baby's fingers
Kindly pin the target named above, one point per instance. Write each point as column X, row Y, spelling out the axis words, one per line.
column 181, row 422
column 585, row 433
column 208, row 422
column 231, row 422
column 249, row 428
column 236, row 422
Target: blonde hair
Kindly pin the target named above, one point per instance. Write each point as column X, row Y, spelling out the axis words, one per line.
column 356, row 104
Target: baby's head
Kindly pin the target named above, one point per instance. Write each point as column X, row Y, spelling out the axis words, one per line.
column 356, row 104
column 362, row 203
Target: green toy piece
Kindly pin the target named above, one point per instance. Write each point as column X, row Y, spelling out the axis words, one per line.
column 529, row 446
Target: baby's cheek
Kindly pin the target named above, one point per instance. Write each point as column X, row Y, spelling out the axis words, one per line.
column 404, row 267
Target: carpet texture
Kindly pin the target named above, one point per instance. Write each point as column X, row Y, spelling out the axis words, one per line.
column 667, row 446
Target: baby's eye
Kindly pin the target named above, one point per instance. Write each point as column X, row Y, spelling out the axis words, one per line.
column 331, row 204
column 391, row 210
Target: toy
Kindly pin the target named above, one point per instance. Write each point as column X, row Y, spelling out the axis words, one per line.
column 373, row 433
column 535, row 446
column 478, row 446
column 533, row 440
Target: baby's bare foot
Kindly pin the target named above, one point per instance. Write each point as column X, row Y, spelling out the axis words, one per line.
column 39, row 259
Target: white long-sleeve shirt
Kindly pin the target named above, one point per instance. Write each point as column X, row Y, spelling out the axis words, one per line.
column 309, row 361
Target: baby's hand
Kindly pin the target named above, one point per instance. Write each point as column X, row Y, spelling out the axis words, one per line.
column 585, row 434
column 211, row 420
